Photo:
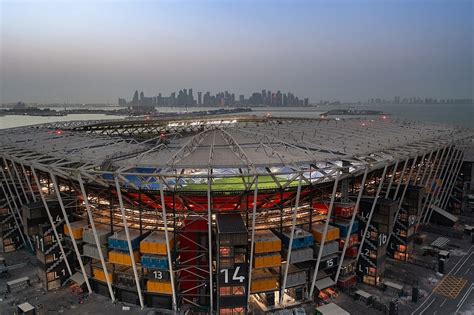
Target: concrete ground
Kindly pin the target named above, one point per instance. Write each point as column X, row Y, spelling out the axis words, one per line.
column 451, row 293
column 61, row 301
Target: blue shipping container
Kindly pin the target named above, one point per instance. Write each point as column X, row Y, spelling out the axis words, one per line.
column 155, row 262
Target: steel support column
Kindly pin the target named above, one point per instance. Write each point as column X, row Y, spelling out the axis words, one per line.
column 96, row 237
column 444, row 172
column 209, row 232
column 390, row 231
column 51, row 220
column 392, row 178
column 252, row 240
column 28, row 182
column 71, row 234
column 129, row 242
column 293, row 225
column 167, row 239
column 369, row 219
column 438, row 173
column 356, row 208
column 320, row 253
column 15, row 208
column 401, row 178
column 20, row 182
column 453, row 181
column 425, row 168
column 450, row 176
column 13, row 182
column 435, row 166
column 12, row 211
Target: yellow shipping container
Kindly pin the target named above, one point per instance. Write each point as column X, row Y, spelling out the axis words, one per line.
column 265, row 284
column 159, row 287
column 99, row 274
column 266, row 242
column 155, row 243
column 318, row 229
column 267, row 261
column 123, row 258
column 77, row 229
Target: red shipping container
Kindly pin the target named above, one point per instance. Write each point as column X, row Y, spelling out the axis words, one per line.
column 351, row 252
column 353, row 239
column 344, row 210
column 346, row 282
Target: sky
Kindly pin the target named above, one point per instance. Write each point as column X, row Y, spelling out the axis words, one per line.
column 96, row 51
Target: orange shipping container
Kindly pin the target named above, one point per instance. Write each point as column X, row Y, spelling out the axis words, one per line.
column 77, row 229
column 266, row 242
column 155, row 243
column 267, row 261
column 123, row 258
column 318, row 229
column 99, row 274
column 159, row 287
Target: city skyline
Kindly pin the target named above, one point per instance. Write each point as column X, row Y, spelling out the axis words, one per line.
column 86, row 52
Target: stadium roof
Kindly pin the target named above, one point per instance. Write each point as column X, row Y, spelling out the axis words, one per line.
column 245, row 143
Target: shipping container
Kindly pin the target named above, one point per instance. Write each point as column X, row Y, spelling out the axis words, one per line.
column 155, row 243
column 99, row 274
column 267, row 260
column 351, row 252
column 296, row 276
column 157, row 274
column 329, row 248
column 90, row 250
column 263, row 280
column 77, row 229
column 318, row 229
column 301, row 238
column 123, row 258
column 266, row 242
column 154, row 262
column 103, row 233
column 162, row 287
column 353, row 240
column 158, row 301
column 231, row 229
column 344, row 226
column 343, row 210
column 347, row 282
column 299, row 255
column 118, row 240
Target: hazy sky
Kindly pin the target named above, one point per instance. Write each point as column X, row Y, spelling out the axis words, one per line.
column 96, row 51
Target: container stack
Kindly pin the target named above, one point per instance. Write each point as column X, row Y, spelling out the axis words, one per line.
column 10, row 238
column 77, row 229
column 118, row 248
column 330, row 256
column 119, row 255
column 267, row 255
column 154, row 261
column 301, row 249
column 52, row 269
column 401, row 241
column 232, row 270
column 343, row 212
column 371, row 263
column 90, row 247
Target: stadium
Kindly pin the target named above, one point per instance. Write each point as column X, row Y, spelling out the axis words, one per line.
column 223, row 214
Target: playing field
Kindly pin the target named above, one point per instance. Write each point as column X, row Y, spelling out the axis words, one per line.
column 237, row 183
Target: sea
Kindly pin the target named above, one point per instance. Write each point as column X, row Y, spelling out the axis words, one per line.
column 460, row 115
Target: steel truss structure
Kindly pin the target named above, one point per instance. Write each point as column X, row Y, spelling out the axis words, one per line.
column 175, row 176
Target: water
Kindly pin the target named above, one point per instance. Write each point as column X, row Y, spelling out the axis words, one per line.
column 454, row 114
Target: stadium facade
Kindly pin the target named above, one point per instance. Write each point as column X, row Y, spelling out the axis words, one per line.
column 216, row 214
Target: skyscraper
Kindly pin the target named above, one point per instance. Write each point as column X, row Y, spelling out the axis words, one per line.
column 199, row 98
column 135, row 97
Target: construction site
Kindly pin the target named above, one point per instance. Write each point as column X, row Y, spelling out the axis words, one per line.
column 235, row 214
